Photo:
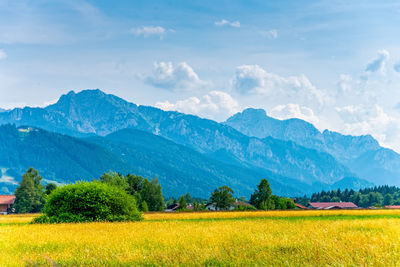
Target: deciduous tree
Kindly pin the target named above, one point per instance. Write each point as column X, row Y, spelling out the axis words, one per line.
column 29, row 195
column 223, row 198
column 262, row 196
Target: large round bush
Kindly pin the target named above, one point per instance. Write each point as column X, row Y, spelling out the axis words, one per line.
column 89, row 202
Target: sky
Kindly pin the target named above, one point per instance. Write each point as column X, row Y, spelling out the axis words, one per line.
column 333, row 63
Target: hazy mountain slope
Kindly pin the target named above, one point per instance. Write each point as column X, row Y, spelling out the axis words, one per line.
column 182, row 170
column 255, row 122
column 381, row 165
column 282, row 157
column 361, row 154
column 58, row 157
column 92, row 111
column 351, row 182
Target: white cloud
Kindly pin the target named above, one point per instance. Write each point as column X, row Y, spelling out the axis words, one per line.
column 365, row 119
column 294, row 111
column 182, row 76
column 379, row 64
column 147, row 31
column 224, row 22
column 270, row 34
column 215, row 105
column 3, row 54
column 345, row 82
column 350, row 89
column 252, row 79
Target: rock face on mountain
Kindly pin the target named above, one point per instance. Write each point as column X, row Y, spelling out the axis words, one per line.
column 181, row 169
column 64, row 159
column 255, row 122
column 284, row 151
column 89, row 112
column 226, row 144
column 361, row 154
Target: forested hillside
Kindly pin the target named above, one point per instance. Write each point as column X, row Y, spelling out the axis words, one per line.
column 372, row 196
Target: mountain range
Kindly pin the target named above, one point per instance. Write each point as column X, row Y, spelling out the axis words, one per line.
column 361, row 154
column 92, row 132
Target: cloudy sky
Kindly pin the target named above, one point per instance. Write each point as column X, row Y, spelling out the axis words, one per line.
column 333, row 63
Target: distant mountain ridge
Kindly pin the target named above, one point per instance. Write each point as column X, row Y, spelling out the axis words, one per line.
column 255, row 122
column 89, row 112
column 359, row 153
column 92, row 112
column 61, row 158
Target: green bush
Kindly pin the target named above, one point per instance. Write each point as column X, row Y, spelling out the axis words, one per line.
column 89, row 202
column 244, row 208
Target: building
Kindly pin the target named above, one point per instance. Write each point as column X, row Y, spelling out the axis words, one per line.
column 5, row 203
column 331, row 205
column 236, row 204
column 392, row 207
column 172, row 207
column 175, row 207
column 299, row 206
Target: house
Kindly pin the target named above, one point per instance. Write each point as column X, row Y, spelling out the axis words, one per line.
column 331, row 205
column 172, row 207
column 175, row 207
column 299, row 206
column 5, row 203
column 392, row 207
column 212, row 206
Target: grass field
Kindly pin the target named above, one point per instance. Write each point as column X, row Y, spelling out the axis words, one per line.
column 278, row 238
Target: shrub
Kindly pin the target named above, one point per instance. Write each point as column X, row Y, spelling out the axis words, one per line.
column 244, row 208
column 89, row 202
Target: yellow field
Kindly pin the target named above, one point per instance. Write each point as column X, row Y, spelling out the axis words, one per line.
column 280, row 238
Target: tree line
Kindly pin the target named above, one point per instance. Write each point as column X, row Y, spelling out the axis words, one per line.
column 31, row 195
column 223, row 199
column 376, row 196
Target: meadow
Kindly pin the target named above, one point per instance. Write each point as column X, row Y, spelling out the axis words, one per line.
column 272, row 238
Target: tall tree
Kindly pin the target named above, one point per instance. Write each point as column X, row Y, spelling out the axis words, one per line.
column 152, row 194
column 144, row 191
column 262, row 196
column 135, row 183
column 29, row 195
column 50, row 187
column 222, row 197
column 182, row 203
column 189, row 199
column 388, row 199
column 115, row 179
column 144, row 207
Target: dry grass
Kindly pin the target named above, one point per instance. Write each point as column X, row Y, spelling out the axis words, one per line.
column 267, row 214
column 312, row 238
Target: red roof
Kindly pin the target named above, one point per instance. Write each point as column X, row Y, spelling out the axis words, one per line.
column 327, row 205
column 7, row 199
column 301, row 206
column 392, row 206
column 241, row 203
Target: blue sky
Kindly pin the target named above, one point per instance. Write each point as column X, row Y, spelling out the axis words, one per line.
column 333, row 63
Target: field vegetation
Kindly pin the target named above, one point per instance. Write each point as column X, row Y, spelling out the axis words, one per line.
column 277, row 238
